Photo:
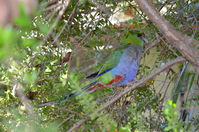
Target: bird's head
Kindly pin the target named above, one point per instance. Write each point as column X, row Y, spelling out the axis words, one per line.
column 133, row 37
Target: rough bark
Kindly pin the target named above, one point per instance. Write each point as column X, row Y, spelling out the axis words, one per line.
column 175, row 38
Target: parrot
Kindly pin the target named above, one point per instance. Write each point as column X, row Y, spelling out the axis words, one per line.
column 119, row 69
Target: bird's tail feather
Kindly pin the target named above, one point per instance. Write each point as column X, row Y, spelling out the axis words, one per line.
column 68, row 96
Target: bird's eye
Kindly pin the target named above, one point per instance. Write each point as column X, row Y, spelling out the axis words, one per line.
column 139, row 35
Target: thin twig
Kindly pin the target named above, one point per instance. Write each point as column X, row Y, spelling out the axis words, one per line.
column 65, row 120
column 65, row 5
column 100, row 7
column 66, row 23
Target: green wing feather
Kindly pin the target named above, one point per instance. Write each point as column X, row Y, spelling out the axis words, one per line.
column 110, row 63
column 113, row 59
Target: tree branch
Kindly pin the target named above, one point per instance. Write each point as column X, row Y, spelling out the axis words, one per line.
column 24, row 100
column 130, row 88
column 177, row 39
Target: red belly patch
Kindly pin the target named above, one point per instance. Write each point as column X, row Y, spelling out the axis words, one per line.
column 117, row 79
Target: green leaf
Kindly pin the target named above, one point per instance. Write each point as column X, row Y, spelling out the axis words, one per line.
column 7, row 41
column 30, row 77
column 125, row 129
column 44, row 28
column 23, row 19
column 29, row 42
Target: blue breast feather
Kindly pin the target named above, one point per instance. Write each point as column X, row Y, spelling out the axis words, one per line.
column 127, row 65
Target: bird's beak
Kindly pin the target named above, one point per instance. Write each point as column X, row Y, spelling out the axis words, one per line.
column 141, row 36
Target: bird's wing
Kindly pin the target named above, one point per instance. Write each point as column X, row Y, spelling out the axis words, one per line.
column 111, row 61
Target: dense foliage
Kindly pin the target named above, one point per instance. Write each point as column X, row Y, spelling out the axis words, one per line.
column 33, row 54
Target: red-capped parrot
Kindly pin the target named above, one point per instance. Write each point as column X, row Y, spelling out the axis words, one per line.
column 120, row 68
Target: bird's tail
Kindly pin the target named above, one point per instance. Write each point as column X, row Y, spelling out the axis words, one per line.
column 69, row 96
